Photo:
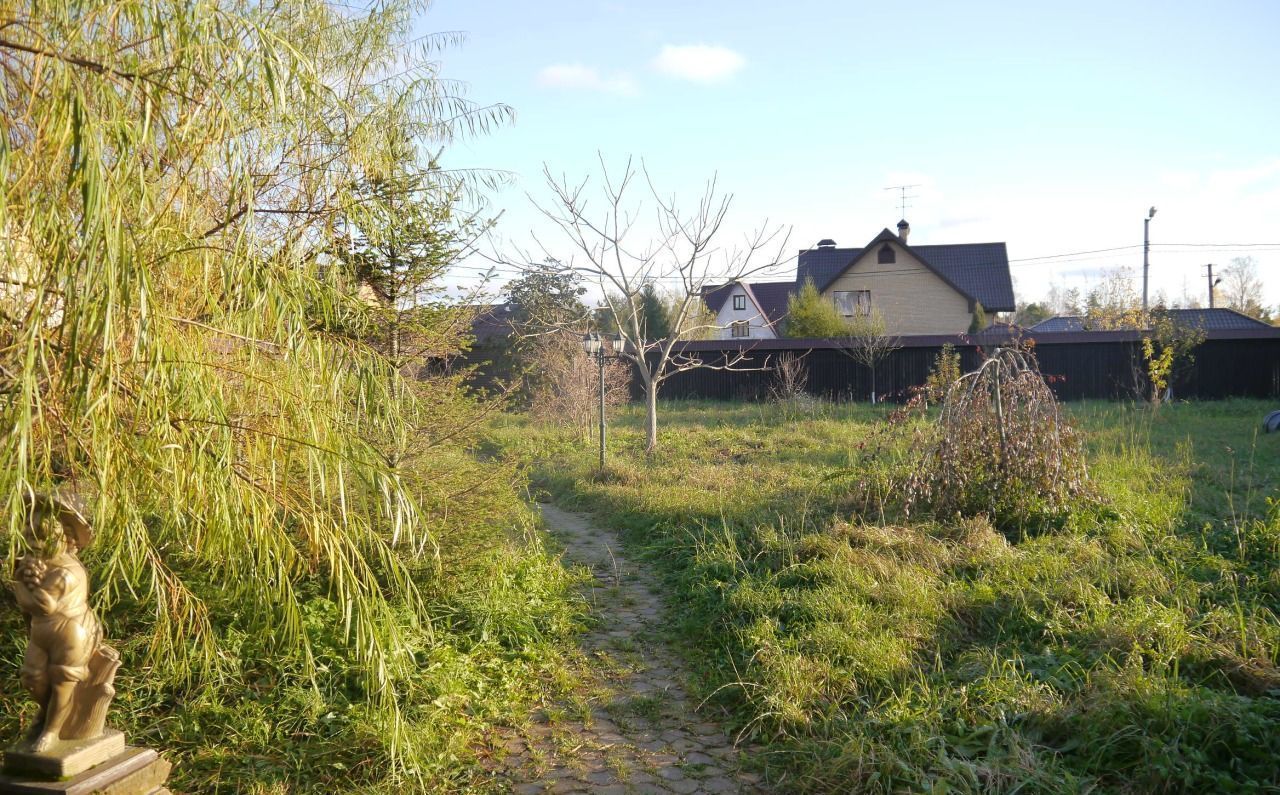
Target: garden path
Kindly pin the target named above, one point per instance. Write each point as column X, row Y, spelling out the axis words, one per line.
column 632, row 727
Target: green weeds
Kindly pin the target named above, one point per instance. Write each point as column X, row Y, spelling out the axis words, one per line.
column 1133, row 647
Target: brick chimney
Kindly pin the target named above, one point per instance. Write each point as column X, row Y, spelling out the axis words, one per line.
column 904, row 229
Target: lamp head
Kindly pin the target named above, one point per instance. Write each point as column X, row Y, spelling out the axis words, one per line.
column 1151, row 213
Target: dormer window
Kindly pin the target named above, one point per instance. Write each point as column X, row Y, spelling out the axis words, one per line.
column 886, row 255
column 739, row 302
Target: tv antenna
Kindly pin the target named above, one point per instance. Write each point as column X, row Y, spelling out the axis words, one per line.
column 902, row 197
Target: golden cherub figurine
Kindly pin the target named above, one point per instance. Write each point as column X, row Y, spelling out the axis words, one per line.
column 67, row 668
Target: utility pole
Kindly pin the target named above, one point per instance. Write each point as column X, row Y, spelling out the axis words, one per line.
column 1212, row 283
column 1146, row 251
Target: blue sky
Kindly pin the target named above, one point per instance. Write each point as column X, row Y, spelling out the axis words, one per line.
column 1051, row 126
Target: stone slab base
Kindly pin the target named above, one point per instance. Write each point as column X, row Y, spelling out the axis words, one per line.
column 66, row 758
column 134, row 771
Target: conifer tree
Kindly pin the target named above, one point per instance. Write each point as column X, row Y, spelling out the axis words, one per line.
column 810, row 316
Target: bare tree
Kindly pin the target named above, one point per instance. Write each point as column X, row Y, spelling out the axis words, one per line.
column 683, row 252
column 1242, row 288
column 867, row 343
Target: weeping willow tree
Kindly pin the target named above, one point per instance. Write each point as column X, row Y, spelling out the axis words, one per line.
column 176, row 343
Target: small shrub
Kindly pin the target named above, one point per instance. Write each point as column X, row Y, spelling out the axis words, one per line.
column 787, row 392
column 945, row 372
column 790, row 374
column 1003, row 449
column 566, row 390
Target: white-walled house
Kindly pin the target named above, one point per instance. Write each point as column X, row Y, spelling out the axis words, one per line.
column 748, row 310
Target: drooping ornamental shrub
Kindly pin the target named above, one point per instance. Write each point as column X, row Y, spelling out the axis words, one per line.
column 1003, row 449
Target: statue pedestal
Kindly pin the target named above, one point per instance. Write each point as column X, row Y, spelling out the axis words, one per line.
column 131, row 771
column 66, row 758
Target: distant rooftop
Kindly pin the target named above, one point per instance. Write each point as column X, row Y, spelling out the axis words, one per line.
column 1216, row 319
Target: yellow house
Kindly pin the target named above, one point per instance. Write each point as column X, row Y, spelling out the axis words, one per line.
column 933, row 289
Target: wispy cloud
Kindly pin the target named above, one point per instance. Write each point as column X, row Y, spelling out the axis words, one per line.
column 584, row 78
column 699, row 63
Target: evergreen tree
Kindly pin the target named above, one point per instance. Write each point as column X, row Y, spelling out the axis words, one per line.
column 810, row 316
column 654, row 313
column 979, row 321
column 547, row 323
column 1030, row 314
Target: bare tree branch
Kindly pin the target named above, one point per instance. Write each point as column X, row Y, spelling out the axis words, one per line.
column 602, row 226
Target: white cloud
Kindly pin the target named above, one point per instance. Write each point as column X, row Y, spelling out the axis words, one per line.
column 700, row 63
column 586, row 78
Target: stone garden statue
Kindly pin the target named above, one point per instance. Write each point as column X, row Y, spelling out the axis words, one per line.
column 68, row 669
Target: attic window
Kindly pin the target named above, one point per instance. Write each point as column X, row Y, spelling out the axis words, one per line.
column 886, row 255
column 740, row 328
column 739, row 302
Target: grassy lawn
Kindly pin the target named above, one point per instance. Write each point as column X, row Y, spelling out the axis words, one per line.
column 1132, row 650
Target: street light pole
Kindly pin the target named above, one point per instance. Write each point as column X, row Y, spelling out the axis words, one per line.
column 1146, row 250
column 599, row 346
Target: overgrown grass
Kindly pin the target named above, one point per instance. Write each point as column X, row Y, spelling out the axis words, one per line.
column 504, row 613
column 1133, row 649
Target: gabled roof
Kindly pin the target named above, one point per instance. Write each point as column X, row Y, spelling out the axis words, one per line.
column 770, row 298
column 1216, row 319
column 978, row 271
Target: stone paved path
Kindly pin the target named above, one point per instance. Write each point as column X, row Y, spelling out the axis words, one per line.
column 632, row 728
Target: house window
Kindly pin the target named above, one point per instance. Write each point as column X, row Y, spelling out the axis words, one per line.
column 740, row 328
column 739, row 302
column 886, row 255
column 851, row 303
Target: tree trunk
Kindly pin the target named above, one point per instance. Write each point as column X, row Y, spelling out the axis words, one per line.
column 873, row 384
column 651, row 414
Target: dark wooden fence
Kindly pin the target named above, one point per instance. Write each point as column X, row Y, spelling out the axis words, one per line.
column 1096, row 364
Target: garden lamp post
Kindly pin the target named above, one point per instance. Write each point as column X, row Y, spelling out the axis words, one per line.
column 601, row 346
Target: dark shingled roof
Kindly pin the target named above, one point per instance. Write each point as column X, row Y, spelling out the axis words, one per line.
column 1060, row 323
column 1208, row 319
column 1001, row 329
column 979, row 271
column 770, row 297
column 492, row 323
column 714, row 297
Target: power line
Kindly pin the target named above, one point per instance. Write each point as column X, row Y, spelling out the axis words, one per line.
column 1066, row 258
